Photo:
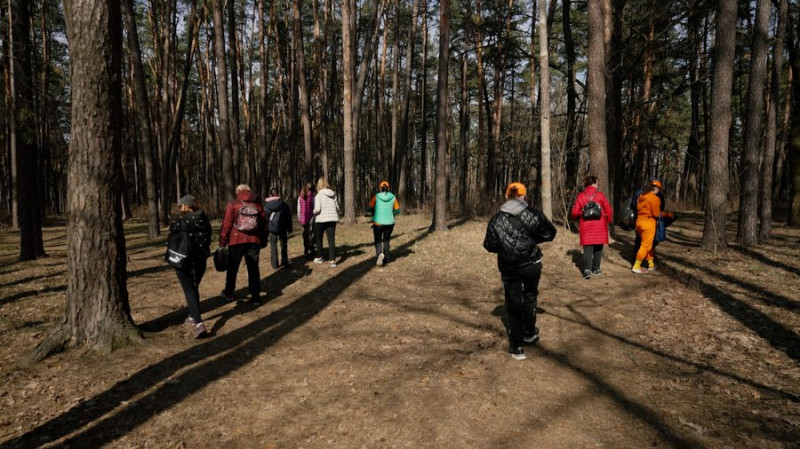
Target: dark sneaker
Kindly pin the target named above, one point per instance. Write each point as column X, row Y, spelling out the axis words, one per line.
column 587, row 274
column 229, row 298
column 597, row 272
column 531, row 339
column 200, row 331
column 189, row 321
column 255, row 302
column 517, row 352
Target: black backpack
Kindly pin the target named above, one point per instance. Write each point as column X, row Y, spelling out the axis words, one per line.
column 179, row 249
column 592, row 210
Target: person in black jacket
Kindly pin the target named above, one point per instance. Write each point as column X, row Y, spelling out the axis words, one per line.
column 514, row 234
column 280, row 225
column 192, row 220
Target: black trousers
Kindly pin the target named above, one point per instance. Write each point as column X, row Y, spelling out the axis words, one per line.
column 308, row 242
column 249, row 252
column 521, row 287
column 283, row 237
column 329, row 228
column 592, row 255
column 382, row 234
column 189, row 278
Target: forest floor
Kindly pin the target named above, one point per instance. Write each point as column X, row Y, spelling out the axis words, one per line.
column 703, row 352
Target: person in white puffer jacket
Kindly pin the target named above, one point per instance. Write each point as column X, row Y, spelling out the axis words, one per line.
column 326, row 215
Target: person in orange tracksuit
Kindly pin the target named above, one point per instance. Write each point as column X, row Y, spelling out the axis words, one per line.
column 648, row 210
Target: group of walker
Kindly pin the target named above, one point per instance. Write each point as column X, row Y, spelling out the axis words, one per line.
column 248, row 225
column 516, row 230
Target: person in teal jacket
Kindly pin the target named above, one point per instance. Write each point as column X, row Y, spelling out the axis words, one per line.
column 384, row 207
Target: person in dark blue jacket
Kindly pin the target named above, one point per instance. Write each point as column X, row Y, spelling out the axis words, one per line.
column 514, row 234
column 280, row 225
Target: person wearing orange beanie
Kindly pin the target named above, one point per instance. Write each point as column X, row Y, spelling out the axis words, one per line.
column 648, row 209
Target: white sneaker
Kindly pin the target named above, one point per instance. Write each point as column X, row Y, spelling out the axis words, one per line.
column 318, row 260
column 380, row 260
column 333, row 264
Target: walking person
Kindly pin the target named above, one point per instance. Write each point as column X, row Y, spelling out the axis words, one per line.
column 384, row 207
column 194, row 222
column 280, row 225
column 514, row 234
column 326, row 215
column 244, row 232
column 648, row 210
column 593, row 230
column 305, row 212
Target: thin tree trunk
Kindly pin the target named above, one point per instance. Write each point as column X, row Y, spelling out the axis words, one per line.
column 725, row 46
column 143, row 114
column 463, row 128
column 234, row 126
column 768, row 155
column 224, row 133
column 747, row 233
column 440, row 202
column 348, row 67
column 693, row 163
column 305, row 114
column 402, row 159
column 570, row 126
column 544, row 98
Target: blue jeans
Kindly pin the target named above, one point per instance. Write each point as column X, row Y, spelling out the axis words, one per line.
column 521, row 286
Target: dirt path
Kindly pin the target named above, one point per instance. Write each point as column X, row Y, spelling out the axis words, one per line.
column 702, row 353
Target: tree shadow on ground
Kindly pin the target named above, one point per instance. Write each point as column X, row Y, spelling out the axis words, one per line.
column 160, row 386
column 777, row 335
column 765, row 260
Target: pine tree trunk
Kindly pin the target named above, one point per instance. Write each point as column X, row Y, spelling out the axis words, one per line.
column 97, row 313
column 768, row 155
column 25, row 135
column 570, row 146
column 714, row 237
column 224, row 133
column 440, row 195
column 747, row 233
column 544, row 98
column 305, row 114
column 143, row 115
column 596, row 80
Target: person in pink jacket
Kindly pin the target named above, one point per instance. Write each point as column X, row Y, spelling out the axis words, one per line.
column 593, row 231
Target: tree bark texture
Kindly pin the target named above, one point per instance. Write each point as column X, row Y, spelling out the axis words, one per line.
column 224, row 133
column 440, row 198
column 544, row 98
column 747, row 233
column 97, row 312
column 717, row 161
column 596, row 108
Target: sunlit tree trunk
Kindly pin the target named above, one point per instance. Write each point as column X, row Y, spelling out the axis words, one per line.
column 717, row 162
column 224, row 133
column 305, row 114
column 544, row 98
column 97, row 312
column 596, row 79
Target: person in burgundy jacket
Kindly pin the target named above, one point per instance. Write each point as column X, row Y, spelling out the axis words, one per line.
column 593, row 233
column 244, row 232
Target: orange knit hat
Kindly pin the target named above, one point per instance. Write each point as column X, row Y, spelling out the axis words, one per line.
column 517, row 188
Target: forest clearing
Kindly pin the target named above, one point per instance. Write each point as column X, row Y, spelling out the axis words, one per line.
column 704, row 352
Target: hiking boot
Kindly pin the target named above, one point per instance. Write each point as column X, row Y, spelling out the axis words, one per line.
column 587, row 274
column 199, row 331
column 189, row 321
column 380, row 260
column 597, row 272
column 517, row 352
